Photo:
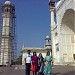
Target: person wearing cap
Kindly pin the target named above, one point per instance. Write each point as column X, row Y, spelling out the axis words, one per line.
column 28, row 62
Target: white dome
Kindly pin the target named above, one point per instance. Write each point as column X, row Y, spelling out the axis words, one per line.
column 47, row 36
column 7, row 2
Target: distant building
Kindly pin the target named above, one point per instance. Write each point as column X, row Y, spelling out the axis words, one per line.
column 37, row 49
column 63, row 31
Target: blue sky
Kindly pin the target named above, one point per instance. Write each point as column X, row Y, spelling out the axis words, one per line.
column 33, row 22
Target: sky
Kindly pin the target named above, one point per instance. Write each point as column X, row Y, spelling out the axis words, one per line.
column 32, row 21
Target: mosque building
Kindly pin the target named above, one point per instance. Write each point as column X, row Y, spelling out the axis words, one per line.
column 63, row 31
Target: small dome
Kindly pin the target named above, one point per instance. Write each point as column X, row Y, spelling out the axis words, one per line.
column 47, row 37
column 7, row 2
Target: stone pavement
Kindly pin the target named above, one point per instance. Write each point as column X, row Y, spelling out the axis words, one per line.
column 63, row 70
column 19, row 70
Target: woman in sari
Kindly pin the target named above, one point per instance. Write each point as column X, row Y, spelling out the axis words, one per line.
column 35, row 62
column 48, row 65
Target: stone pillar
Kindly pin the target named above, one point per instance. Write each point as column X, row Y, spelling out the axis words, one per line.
column 52, row 17
column 53, row 34
column 53, row 47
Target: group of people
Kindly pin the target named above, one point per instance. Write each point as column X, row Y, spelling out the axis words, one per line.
column 42, row 65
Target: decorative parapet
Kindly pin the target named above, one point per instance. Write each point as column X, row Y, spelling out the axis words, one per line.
column 33, row 49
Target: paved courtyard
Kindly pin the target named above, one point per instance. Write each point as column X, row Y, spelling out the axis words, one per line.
column 19, row 70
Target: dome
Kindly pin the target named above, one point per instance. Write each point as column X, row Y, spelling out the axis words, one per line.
column 47, row 37
column 7, row 2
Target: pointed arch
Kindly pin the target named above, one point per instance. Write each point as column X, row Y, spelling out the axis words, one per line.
column 68, row 35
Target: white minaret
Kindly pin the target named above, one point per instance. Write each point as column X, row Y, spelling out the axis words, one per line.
column 48, row 44
column 48, row 41
column 52, row 25
column 7, row 36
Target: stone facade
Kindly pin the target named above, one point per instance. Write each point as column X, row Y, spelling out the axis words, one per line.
column 63, row 33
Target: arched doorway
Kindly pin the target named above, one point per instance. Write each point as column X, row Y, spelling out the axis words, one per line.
column 68, row 36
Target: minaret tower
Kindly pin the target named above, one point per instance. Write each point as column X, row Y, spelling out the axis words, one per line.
column 48, row 41
column 52, row 25
column 48, row 44
column 8, row 33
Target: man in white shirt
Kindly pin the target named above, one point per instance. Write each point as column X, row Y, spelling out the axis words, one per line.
column 28, row 62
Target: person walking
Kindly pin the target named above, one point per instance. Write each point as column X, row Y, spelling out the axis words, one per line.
column 41, row 63
column 48, row 65
column 35, row 62
column 28, row 62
